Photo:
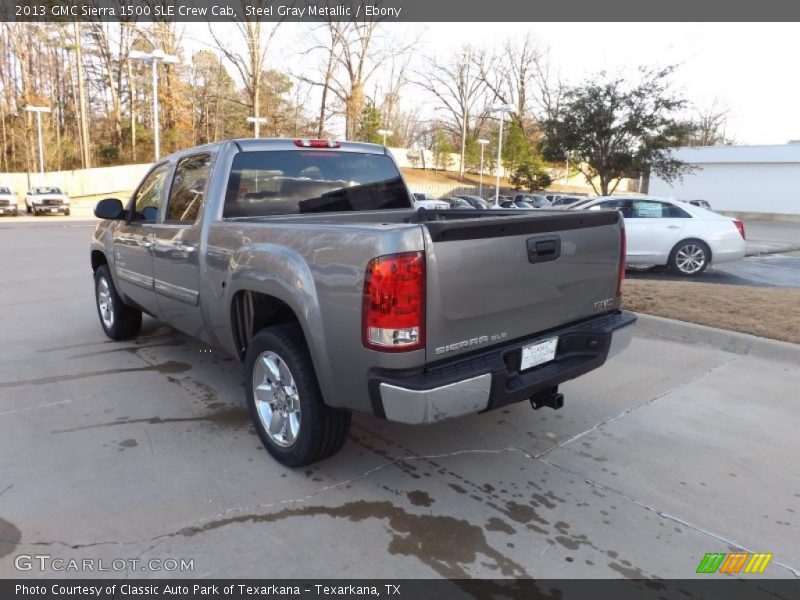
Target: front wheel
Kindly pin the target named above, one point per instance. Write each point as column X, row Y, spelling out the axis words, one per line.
column 119, row 321
column 689, row 258
column 285, row 402
column 66, row 213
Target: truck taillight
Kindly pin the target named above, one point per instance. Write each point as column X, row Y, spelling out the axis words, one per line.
column 622, row 251
column 740, row 227
column 394, row 303
column 317, row 143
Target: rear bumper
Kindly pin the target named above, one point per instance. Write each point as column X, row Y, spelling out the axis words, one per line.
column 491, row 379
column 728, row 249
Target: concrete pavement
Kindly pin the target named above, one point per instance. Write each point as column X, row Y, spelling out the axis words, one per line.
column 142, row 449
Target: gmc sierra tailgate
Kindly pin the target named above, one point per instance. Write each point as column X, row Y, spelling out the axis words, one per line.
column 498, row 278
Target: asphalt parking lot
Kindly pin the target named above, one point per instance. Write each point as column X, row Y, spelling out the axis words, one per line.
column 767, row 270
column 142, row 449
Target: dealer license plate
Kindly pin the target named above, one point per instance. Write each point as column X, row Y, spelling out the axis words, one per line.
column 538, row 353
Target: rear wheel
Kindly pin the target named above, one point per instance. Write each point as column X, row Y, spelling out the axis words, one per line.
column 285, row 401
column 119, row 321
column 690, row 258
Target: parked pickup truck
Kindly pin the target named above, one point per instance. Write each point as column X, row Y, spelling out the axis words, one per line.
column 45, row 200
column 8, row 202
column 306, row 260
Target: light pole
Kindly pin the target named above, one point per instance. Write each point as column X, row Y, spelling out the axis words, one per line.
column 385, row 133
column 39, row 110
column 502, row 109
column 257, row 121
column 480, row 176
column 153, row 58
column 465, row 117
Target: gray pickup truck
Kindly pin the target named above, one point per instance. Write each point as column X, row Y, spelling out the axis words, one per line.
column 307, row 261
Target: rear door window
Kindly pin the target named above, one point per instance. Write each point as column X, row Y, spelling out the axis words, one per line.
column 647, row 209
column 312, row 181
column 187, row 195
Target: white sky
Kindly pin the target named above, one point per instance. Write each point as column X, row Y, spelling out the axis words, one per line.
column 751, row 68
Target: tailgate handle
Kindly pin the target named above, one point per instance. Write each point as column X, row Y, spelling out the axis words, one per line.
column 544, row 249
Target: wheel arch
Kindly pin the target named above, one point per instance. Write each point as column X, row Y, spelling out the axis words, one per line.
column 98, row 258
column 679, row 243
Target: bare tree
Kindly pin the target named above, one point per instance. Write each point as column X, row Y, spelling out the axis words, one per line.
column 455, row 90
column 326, row 41
column 710, row 125
column 364, row 50
column 251, row 64
column 520, row 75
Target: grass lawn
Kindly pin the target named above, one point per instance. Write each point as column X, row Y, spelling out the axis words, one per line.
column 766, row 312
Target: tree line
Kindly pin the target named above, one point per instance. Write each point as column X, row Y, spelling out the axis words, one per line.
column 352, row 80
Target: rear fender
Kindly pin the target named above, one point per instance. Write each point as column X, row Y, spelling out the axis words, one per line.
column 280, row 272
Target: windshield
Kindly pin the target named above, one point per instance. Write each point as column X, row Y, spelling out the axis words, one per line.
column 4, row 190
column 46, row 190
column 312, row 181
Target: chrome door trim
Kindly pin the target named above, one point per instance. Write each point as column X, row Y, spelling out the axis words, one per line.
column 135, row 278
column 176, row 292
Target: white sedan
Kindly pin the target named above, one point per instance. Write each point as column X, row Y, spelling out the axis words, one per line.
column 687, row 238
column 428, row 202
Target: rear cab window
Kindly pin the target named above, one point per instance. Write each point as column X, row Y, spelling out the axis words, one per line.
column 290, row 182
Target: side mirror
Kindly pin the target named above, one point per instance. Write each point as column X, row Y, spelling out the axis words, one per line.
column 110, row 208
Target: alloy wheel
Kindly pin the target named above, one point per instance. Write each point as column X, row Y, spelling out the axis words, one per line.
column 690, row 259
column 276, row 398
column 105, row 303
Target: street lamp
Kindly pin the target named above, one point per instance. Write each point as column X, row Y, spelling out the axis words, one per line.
column 39, row 110
column 153, row 58
column 257, row 121
column 502, row 109
column 566, row 175
column 480, row 185
column 385, row 133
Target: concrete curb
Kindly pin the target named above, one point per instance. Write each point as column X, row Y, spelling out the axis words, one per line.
column 775, row 250
column 652, row 326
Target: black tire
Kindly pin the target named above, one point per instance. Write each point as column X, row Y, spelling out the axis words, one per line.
column 27, row 209
column 323, row 430
column 125, row 321
column 33, row 211
column 66, row 213
column 689, row 258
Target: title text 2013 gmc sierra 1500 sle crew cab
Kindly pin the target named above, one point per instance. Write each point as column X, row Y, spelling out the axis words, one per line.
column 306, row 259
